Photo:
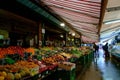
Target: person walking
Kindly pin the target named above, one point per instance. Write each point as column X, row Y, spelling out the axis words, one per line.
column 105, row 48
column 96, row 47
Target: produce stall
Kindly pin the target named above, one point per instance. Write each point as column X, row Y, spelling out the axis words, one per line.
column 23, row 57
column 33, row 45
column 30, row 63
column 115, row 52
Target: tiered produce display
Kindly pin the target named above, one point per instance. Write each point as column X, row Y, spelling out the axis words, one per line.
column 21, row 63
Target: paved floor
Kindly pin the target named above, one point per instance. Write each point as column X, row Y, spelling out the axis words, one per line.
column 102, row 69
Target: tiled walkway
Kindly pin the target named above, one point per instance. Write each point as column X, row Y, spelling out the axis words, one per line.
column 102, row 69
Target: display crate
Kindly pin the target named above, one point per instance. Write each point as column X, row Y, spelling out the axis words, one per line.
column 66, row 75
column 67, row 66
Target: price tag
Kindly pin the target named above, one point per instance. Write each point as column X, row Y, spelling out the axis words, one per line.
column 46, row 72
column 43, row 76
column 39, row 75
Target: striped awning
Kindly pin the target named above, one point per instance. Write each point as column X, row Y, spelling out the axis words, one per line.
column 88, row 40
column 82, row 15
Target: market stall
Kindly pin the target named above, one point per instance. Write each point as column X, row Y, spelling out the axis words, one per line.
column 33, row 46
column 115, row 52
column 40, row 63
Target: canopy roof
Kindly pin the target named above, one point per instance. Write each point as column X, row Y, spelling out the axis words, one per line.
column 112, row 13
column 82, row 15
column 86, row 17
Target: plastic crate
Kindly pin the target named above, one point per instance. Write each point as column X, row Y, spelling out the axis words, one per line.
column 66, row 75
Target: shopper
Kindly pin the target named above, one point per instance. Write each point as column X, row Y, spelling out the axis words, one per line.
column 96, row 47
column 105, row 48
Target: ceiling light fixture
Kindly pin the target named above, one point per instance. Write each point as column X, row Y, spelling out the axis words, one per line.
column 73, row 34
column 62, row 24
column 112, row 21
column 61, row 36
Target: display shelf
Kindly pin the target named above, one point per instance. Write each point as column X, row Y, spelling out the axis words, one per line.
column 47, row 73
column 65, row 74
column 40, row 75
column 51, row 64
column 83, row 64
column 116, row 54
column 116, row 57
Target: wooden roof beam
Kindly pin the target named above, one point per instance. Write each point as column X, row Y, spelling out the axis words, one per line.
column 103, row 7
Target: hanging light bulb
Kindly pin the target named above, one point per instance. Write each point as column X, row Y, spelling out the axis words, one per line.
column 61, row 36
column 73, row 34
column 62, row 24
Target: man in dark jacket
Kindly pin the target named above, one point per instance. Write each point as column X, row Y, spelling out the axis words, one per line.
column 96, row 49
column 105, row 48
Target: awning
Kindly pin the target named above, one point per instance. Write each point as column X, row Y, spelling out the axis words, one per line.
column 111, row 22
column 88, row 40
column 82, row 15
column 43, row 13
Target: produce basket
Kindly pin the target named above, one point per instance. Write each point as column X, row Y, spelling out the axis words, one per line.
column 66, row 66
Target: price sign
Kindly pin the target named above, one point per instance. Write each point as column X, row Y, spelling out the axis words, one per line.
column 40, row 75
column 46, row 72
column 43, row 76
